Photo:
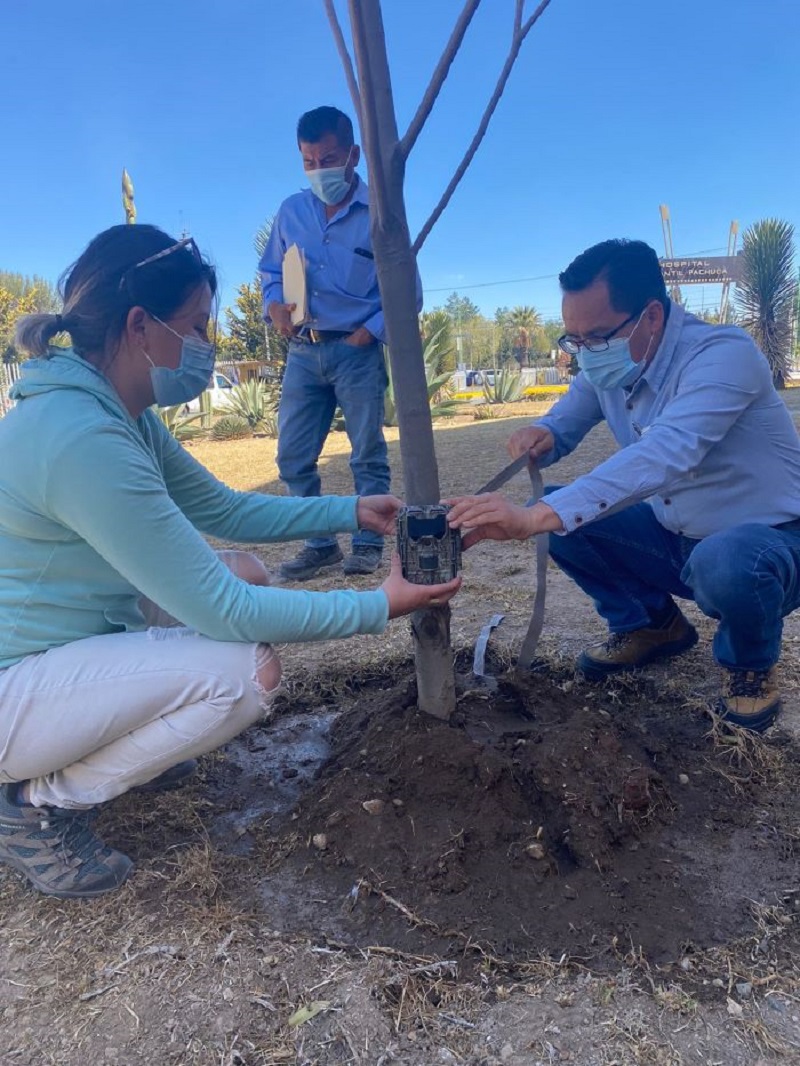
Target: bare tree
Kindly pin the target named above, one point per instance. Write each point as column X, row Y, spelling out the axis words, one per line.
column 395, row 258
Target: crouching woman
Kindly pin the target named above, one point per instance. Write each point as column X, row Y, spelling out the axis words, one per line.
column 102, row 523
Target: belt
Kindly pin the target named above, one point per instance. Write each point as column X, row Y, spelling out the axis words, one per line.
column 322, row 336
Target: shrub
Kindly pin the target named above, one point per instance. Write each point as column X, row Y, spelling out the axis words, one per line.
column 231, row 427
column 485, row 411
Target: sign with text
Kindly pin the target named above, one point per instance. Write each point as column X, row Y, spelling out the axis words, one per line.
column 706, row 270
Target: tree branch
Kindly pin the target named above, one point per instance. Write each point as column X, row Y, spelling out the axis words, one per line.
column 438, row 77
column 516, row 44
column 518, row 16
column 344, row 55
column 372, row 140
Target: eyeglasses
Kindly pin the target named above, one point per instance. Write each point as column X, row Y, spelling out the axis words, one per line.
column 186, row 242
column 572, row 345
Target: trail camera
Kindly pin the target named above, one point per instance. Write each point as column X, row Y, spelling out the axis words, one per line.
column 429, row 549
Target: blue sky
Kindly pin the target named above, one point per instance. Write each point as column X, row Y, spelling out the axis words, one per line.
column 614, row 107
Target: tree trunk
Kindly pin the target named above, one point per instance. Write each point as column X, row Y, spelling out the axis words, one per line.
column 396, row 268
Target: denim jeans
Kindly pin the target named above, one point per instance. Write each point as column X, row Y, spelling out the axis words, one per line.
column 319, row 377
column 746, row 577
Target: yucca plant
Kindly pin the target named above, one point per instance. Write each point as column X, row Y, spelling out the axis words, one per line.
column 179, row 423
column 440, row 390
column 507, row 387
column 766, row 291
column 253, row 402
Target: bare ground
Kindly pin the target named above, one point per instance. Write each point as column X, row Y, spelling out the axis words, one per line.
column 565, row 875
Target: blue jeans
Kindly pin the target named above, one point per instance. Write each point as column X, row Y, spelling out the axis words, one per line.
column 746, row 577
column 318, row 378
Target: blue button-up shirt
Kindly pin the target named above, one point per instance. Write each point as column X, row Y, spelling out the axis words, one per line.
column 703, row 436
column 340, row 269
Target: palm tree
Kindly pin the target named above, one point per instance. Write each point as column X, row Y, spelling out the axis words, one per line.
column 526, row 322
column 766, row 292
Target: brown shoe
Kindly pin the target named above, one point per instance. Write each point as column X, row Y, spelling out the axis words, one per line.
column 750, row 699
column 623, row 652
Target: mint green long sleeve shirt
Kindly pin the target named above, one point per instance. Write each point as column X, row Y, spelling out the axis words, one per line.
column 97, row 508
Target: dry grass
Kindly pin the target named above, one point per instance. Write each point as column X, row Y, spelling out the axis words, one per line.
column 169, row 970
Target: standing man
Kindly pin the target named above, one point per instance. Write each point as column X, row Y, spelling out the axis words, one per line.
column 336, row 358
column 702, row 501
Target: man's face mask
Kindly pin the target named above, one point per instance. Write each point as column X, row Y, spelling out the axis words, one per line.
column 613, row 368
column 329, row 184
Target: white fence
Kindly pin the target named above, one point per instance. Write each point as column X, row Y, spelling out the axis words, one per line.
column 530, row 376
column 9, row 372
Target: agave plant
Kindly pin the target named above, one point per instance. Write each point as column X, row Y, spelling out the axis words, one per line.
column 440, row 397
column 179, row 423
column 766, row 292
column 507, row 387
column 231, row 427
column 254, row 403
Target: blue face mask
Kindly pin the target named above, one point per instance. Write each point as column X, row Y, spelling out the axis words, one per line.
column 192, row 375
column 613, row 368
column 329, row 184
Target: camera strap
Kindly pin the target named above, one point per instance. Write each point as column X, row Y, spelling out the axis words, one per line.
column 530, row 641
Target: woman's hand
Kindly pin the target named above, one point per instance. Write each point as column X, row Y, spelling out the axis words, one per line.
column 405, row 597
column 378, row 513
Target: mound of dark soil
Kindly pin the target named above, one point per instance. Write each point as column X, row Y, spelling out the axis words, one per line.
column 538, row 820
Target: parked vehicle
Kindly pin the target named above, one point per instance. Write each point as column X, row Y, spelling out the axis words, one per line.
column 220, row 393
column 479, row 378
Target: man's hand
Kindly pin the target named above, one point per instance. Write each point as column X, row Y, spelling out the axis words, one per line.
column 405, row 597
column 378, row 513
column 360, row 338
column 281, row 315
column 491, row 516
column 536, row 440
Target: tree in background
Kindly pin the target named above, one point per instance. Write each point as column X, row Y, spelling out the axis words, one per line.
column 766, row 293
column 437, row 323
column 21, row 295
column 526, row 322
column 248, row 335
column 552, row 329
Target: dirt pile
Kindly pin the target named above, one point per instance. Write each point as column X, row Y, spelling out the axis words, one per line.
column 548, row 816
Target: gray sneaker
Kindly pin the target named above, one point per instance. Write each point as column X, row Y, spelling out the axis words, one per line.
column 309, row 561
column 57, row 851
column 365, row 559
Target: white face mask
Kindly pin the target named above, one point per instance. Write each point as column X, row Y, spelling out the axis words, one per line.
column 329, row 184
column 192, row 375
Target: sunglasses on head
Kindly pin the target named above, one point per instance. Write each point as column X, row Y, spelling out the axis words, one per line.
column 186, row 242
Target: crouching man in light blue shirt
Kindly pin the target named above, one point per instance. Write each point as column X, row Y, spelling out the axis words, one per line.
column 702, row 501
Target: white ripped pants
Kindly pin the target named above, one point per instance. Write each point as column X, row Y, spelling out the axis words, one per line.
column 90, row 720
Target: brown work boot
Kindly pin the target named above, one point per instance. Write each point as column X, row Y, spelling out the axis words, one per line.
column 623, row 652
column 750, row 698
